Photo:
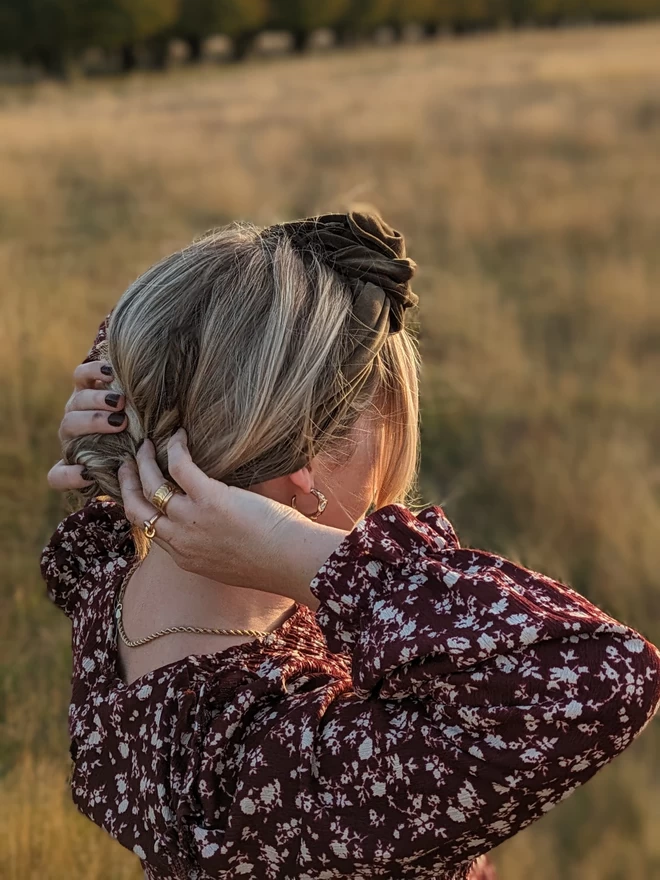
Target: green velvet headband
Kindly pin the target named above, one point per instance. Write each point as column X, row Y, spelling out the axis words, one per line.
column 368, row 253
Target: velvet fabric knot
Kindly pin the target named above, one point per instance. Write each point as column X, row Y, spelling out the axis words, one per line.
column 364, row 249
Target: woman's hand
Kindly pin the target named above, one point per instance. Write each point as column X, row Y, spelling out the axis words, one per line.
column 224, row 533
column 91, row 409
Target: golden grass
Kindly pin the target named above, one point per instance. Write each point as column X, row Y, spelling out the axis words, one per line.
column 525, row 172
column 46, row 837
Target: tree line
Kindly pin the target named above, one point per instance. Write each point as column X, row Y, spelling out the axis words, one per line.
column 52, row 33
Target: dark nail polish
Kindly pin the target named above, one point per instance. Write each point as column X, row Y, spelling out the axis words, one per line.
column 86, row 475
column 106, row 370
column 112, row 399
column 116, row 419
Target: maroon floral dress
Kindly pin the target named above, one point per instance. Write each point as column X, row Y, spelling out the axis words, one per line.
column 439, row 700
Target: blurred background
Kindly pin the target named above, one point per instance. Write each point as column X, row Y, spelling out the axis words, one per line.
column 516, row 144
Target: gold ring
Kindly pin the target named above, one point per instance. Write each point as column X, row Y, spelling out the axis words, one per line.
column 148, row 524
column 163, row 495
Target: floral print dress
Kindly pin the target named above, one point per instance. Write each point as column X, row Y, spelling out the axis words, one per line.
column 438, row 701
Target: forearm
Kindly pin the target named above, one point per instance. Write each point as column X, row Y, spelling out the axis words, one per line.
column 306, row 547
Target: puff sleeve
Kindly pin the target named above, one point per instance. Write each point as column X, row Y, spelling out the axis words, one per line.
column 85, row 546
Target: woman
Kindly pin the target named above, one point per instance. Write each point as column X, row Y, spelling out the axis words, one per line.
column 270, row 693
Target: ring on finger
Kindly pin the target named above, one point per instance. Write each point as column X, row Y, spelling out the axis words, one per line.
column 149, row 525
column 163, row 495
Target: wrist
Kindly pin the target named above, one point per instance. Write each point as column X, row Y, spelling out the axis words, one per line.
column 307, row 546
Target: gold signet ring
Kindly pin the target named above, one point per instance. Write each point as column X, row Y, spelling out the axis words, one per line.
column 148, row 524
column 163, row 495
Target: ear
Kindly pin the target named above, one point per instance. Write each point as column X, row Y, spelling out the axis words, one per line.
column 302, row 480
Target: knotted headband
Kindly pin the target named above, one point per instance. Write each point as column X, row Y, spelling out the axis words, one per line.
column 363, row 249
column 371, row 256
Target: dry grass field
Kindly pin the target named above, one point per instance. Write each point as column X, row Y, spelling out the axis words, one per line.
column 525, row 171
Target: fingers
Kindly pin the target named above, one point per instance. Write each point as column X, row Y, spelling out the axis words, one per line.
column 189, row 477
column 64, row 477
column 87, row 375
column 151, row 476
column 87, row 399
column 137, row 508
column 80, row 422
column 93, row 408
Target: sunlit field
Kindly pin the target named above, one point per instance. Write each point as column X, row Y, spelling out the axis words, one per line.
column 525, row 171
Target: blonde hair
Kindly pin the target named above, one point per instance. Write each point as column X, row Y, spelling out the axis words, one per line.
column 241, row 344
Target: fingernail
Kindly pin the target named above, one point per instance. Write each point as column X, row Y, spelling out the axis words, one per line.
column 87, row 475
column 116, row 419
column 112, row 399
column 106, row 370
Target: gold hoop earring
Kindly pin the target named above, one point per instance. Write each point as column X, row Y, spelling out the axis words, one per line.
column 322, row 503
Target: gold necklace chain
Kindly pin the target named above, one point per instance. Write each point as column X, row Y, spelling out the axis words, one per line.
column 171, row 630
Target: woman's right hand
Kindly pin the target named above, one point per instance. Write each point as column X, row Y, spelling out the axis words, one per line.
column 227, row 534
column 91, row 409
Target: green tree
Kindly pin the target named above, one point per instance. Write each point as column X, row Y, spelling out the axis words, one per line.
column 435, row 14
column 302, row 17
column 45, row 31
column 239, row 19
column 472, row 14
column 553, row 12
column 625, row 9
column 122, row 24
column 405, row 12
column 515, row 11
column 362, row 17
column 10, row 28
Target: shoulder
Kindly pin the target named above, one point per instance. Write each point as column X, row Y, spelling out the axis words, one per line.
column 394, row 532
column 83, row 550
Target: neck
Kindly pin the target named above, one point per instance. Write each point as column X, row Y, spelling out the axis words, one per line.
column 171, row 596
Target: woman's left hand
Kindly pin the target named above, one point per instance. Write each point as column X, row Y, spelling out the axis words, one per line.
column 91, row 409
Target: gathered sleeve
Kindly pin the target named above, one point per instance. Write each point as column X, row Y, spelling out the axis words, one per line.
column 96, row 352
column 478, row 694
column 527, row 687
column 84, row 548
